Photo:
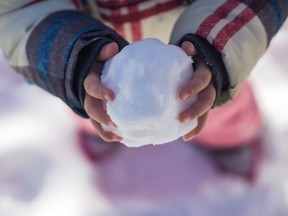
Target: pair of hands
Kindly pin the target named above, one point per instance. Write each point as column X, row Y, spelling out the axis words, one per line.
column 199, row 84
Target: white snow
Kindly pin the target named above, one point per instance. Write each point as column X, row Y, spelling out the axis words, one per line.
column 42, row 171
column 146, row 77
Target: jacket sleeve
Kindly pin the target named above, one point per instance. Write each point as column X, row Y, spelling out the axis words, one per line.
column 231, row 35
column 53, row 45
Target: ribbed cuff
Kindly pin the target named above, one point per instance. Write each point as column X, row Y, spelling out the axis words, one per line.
column 85, row 59
column 213, row 60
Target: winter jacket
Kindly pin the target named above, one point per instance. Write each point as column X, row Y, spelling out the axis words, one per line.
column 53, row 43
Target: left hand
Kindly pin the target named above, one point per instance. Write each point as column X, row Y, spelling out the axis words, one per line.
column 97, row 94
column 201, row 84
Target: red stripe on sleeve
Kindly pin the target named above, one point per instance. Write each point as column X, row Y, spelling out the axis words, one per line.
column 237, row 23
column 220, row 13
column 117, row 3
column 141, row 14
column 119, row 27
column 135, row 25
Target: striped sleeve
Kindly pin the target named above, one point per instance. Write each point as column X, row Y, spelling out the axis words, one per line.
column 56, row 47
column 231, row 35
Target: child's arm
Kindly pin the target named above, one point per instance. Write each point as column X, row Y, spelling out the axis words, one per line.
column 96, row 93
column 53, row 45
column 231, row 36
column 200, row 84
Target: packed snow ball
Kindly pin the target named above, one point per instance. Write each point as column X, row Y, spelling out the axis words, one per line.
column 146, row 77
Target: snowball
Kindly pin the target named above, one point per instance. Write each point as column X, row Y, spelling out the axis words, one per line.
column 146, row 77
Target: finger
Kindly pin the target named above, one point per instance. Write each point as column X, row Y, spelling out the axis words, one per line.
column 203, row 103
column 189, row 48
column 108, row 51
column 200, row 80
column 94, row 87
column 200, row 125
column 96, row 111
column 105, row 135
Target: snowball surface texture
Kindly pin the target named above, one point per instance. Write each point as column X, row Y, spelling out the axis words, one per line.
column 146, row 77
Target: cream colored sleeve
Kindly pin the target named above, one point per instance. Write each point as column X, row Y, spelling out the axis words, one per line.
column 234, row 30
column 17, row 19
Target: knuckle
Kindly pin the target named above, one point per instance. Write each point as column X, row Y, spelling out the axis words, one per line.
column 87, row 106
column 88, row 85
column 205, row 78
column 191, row 89
column 103, row 119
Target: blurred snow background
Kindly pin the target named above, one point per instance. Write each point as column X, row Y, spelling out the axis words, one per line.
column 43, row 172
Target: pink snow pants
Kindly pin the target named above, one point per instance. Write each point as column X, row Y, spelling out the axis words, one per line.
column 236, row 123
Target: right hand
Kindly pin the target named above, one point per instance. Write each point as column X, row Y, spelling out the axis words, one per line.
column 200, row 84
column 97, row 95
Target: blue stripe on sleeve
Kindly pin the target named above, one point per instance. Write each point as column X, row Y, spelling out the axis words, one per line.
column 278, row 13
column 70, row 47
column 46, row 42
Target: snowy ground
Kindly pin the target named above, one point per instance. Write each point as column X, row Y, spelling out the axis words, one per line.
column 42, row 171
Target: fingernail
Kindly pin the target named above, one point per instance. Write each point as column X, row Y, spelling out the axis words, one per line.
column 186, row 119
column 108, row 97
column 184, row 96
column 188, row 139
column 117, row 139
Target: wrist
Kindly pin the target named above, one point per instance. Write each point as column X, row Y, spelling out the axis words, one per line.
column 214, row 62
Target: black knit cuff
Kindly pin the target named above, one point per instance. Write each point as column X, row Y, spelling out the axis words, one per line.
column 213, row 60
column 62, row 48
column 85, row 58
